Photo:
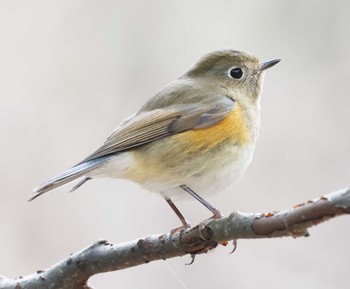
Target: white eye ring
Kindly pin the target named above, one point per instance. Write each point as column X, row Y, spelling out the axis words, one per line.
column 236, row 73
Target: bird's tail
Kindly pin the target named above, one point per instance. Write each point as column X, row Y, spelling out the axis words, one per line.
column 68, row 176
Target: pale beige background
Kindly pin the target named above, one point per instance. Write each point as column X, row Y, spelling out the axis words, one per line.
column 70, row 71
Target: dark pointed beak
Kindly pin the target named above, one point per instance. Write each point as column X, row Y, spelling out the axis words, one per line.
column 268, row 64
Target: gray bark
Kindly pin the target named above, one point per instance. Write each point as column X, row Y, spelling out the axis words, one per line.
column 74, row 271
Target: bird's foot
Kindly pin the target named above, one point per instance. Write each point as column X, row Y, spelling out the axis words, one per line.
column 185, row 225
column 234, row 243
column 216, row 215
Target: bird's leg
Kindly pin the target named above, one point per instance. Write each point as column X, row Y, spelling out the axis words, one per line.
column 216, row 213
column 184, row 222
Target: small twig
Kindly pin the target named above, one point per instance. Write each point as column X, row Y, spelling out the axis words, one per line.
column 74, row 272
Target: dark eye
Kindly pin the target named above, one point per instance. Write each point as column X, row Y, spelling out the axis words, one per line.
column 236, row 73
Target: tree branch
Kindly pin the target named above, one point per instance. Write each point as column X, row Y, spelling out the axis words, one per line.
column 74, row 272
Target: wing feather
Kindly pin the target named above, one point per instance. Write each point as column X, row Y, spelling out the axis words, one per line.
column 148, row 126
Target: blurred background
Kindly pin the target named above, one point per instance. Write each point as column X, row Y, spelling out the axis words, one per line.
column 73, row 70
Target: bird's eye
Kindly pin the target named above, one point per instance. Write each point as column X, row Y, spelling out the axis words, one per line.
column 236, row 73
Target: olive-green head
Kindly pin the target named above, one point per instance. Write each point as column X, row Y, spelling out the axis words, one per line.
column 238, row 72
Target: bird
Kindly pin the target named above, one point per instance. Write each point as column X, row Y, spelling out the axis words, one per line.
column 195, row 137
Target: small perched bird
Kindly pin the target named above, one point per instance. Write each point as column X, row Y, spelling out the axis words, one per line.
column 196, row 136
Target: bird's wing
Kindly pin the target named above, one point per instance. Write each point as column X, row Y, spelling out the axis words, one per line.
column 148, row 126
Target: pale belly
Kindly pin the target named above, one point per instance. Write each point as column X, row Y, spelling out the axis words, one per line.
column 228, row 172
column 221, row 173
column 206, row 173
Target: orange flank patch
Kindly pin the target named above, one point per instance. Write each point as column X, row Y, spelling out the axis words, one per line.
column 232, row 128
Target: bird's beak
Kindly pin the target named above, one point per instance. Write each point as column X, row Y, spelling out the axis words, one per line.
column 268, row 64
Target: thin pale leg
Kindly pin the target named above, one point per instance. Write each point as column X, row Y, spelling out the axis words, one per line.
column 184, row 222
column 216, row 213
